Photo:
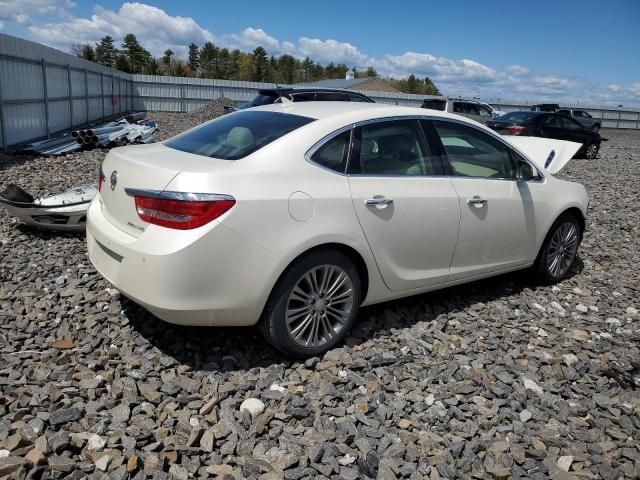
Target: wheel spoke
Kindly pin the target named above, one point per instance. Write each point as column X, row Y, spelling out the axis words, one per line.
column 319, row 306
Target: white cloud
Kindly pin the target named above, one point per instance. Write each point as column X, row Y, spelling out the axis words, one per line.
column 21, row 11
column 518, row 70
column 635, row 89
column 614, row 88
column 153, row 27
column 254, row 37
column 331, row 51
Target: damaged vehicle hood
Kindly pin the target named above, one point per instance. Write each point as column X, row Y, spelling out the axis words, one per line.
column 547, row 154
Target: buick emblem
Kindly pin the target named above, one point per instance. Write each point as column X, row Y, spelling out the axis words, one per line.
column 114, row 179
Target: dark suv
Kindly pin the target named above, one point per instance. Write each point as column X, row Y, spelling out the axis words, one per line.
column 268, row 96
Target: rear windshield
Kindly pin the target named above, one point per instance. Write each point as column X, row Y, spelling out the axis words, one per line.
column 435, row 104
column 237, row 135
column 518, row 116
column 261, row 100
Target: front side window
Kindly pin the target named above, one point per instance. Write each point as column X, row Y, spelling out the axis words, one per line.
column 570, row 124
column 552, row 121
column 484, row 111
column 235, row 136
column 458, row 107
column 473, row 153
column 395, row 148
column 333, row 154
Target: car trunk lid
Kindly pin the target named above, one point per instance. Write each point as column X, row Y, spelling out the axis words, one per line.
column 140, row 167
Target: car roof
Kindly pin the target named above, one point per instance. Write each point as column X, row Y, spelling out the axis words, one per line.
column 351, row 111
column 280, row 90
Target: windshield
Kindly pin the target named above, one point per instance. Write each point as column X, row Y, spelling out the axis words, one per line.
column 237, row 135
column 517, row 116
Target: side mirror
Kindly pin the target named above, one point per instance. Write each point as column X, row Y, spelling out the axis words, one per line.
column 525, row 172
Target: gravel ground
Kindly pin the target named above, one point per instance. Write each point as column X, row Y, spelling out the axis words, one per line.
column 497, row 379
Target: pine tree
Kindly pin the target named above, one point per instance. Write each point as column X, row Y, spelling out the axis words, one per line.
column 194, row 57
column 138, row 55
column 260, row 65
column 208, row 60
column 371, row 72
column 106, row 52
column 166, row 58
column 85, row 51
column 122, row 63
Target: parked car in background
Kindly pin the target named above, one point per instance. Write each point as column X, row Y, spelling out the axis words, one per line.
column 582, row 117
column 478, row 111
column 292, row 216
column 545, row 107
column 549, row 125
column 273, row 95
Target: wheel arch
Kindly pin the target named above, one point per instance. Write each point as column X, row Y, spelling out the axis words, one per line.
column 347, row 250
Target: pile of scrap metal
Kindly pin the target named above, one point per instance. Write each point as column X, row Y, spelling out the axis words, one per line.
column 66, row 211
column 127, row 130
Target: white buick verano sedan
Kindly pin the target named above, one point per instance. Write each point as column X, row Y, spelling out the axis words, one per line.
column 292, row 216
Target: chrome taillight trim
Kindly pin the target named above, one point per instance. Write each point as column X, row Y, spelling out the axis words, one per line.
column 183, row 196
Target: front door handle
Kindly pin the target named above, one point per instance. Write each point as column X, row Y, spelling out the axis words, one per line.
column 378, row 202
column 476, row 200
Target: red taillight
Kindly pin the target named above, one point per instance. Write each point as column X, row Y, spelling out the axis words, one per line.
column 516, row 129
column 100, row 179
column 180, row 214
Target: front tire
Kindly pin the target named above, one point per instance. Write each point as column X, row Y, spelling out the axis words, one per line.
column 559, row 249
column 314, row 304
column 596, row 128
column 591, row 152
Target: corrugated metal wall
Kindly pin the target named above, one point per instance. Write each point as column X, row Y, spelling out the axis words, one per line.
column 44, row 91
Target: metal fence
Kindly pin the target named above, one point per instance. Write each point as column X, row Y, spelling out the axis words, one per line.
column 44, row 91
column 179, row 94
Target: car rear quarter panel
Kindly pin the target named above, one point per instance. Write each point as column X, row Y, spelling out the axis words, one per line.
column 263, row 184
column 552, row 198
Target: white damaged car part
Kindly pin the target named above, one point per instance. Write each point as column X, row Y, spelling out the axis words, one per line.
column 66, row 211
column 548, row 155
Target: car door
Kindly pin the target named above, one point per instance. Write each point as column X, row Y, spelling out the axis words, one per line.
column 406, row 206
column 551, row 127
column 497, row 218
column 574, row 131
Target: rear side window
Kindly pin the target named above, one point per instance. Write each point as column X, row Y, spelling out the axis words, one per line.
column 332, row 97
column 333, row 154
column 435, row 105
column 235, row 136
column 304, row 97
column 358, row 98
column 396, row 148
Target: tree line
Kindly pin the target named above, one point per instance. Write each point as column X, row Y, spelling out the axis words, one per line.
column 211, row 61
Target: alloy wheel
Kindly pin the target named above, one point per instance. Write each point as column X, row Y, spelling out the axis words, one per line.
column 319, row 306
column 592, row 151
column 562, row 249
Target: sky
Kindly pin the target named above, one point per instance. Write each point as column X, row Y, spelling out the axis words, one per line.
column 572, row 50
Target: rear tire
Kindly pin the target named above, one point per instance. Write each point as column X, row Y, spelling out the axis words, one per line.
column 314, row 304
column 560, row 248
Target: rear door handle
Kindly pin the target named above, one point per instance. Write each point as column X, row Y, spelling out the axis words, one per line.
column 476, row 200
column 378, row 202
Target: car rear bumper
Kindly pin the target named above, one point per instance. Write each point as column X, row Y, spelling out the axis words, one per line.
column 206, row 276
